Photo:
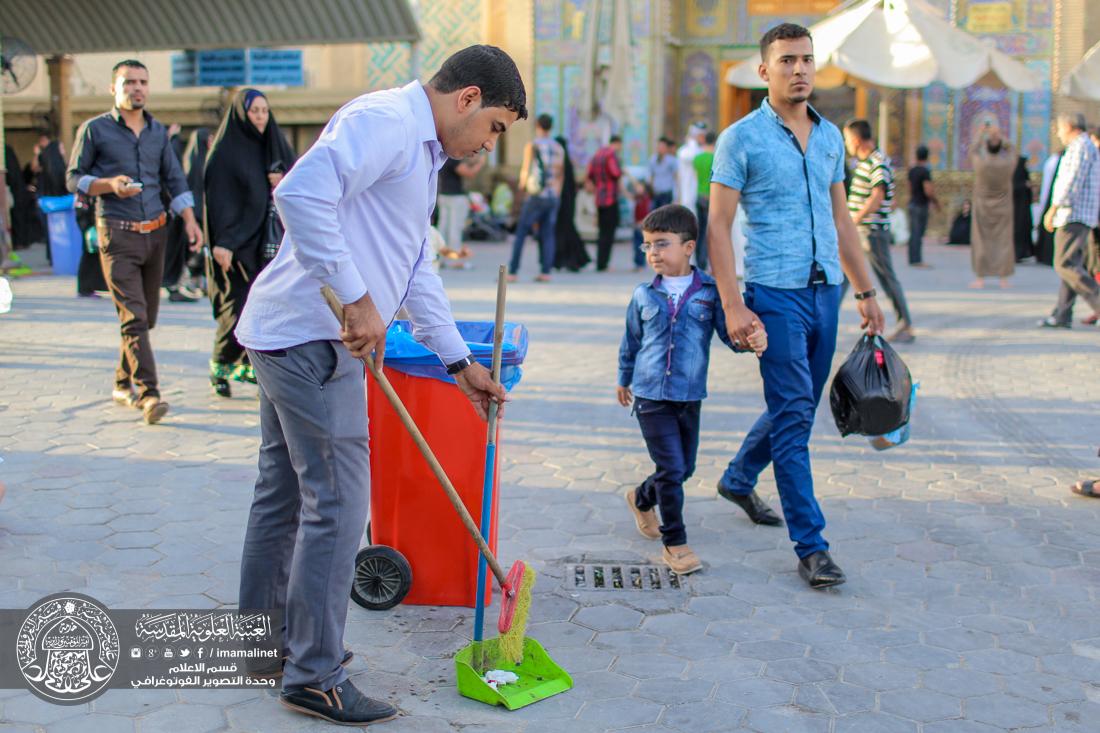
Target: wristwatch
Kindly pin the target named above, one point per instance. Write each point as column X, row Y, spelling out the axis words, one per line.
column 866, row 294
column 461, row 364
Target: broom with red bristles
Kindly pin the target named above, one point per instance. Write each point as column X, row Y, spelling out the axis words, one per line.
column 515, row 586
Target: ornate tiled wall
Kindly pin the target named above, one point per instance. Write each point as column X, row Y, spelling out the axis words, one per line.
column 559, row 32
column 446, row 25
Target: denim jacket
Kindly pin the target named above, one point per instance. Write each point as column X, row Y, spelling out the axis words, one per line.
column 665, row 352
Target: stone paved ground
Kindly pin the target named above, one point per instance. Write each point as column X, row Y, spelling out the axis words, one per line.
column 974, row 576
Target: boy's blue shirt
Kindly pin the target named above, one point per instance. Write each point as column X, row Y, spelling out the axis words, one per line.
column 664, row 355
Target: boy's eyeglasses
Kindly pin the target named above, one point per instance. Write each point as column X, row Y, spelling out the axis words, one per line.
column 656, row 244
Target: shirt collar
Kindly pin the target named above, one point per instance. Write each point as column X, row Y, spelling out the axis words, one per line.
column 117, row 116
column 422, row 111
column 699, row 278
column 766, row 106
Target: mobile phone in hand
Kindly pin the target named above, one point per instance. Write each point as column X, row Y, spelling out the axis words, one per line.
column 135, row 185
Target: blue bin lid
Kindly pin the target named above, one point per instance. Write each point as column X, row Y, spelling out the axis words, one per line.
column 53, row 204
column 402, row 348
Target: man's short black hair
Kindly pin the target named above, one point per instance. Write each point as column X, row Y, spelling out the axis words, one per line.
column 861, row 128
column 710, row 138
column 782, row 32
column 489, row 69
column 545, row 122
column 614, row 139
column 922, row 153
column 126, row 63
column 666, row 140
column 672, row 219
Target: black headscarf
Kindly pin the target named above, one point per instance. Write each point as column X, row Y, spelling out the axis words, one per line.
column 51, row 177
column 235, row 179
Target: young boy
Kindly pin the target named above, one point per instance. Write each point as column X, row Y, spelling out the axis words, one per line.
column 663, row 371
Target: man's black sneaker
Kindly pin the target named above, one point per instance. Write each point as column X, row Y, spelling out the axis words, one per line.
column 274, row 670
column 343, row 705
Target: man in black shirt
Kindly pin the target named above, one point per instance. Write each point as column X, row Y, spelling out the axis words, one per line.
column 454, row 203
column 921, row 196
column 124, row 158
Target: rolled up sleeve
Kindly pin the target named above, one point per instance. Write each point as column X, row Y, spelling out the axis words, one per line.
column 79, row 177
column 730, row 166
column 346, row 160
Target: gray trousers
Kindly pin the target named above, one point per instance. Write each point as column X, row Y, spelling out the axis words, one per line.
column 310, row 503
column 876, row 244
column 1071, row 244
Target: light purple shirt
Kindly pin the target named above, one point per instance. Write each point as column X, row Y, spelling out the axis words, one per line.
column 356, row 208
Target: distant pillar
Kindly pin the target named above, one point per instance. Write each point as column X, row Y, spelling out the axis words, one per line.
column 61, row 108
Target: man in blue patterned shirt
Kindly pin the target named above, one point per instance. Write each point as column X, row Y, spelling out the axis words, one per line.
column 785, row 164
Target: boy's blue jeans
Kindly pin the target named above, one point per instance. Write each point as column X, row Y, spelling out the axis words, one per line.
column 801, row 326
column 541, row 210
column 671, row 432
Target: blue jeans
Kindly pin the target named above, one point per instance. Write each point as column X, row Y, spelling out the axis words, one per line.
column 671, row 432
column 541, row 210
column 801, row 326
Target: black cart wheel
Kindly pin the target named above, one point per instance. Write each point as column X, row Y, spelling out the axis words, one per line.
column 382, row 578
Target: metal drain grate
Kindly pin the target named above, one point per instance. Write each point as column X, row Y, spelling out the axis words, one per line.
column 621, row 576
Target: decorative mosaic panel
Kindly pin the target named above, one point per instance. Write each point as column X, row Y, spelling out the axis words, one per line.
column 548, row 19
column 388, row 66
column 1035, row 114
column 699, row 90
column 446, row 26
column 706, row 18
column 636, row 142
column 547, row 95
column 573, row 14
column 934, row 129
column 640, row 18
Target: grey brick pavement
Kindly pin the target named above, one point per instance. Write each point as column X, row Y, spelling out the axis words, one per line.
column 971, row 605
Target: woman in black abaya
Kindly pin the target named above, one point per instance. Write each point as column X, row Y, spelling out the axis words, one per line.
column 570, row 253
column 1021, row 211
column 248, row 157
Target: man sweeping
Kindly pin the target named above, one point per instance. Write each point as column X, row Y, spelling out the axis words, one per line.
column 356, row 210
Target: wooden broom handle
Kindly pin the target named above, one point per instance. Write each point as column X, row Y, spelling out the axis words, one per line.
column 425, row 450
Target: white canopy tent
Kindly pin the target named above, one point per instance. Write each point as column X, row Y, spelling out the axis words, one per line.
column 1083, row 81
column 899, row 44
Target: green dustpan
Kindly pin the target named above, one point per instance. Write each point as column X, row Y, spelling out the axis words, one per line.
column 539, row 676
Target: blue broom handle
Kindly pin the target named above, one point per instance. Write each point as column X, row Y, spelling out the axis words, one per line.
column 490, row 456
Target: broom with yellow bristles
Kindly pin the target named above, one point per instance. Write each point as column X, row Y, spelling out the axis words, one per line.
column 516, row 586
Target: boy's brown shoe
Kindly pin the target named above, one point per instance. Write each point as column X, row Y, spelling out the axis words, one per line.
column 647, row 523
column 681, row 559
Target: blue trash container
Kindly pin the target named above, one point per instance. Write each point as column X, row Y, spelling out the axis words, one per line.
column 408, row 356
column 64, row 234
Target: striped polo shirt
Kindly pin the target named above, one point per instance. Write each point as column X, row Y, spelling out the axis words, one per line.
column 874, row 170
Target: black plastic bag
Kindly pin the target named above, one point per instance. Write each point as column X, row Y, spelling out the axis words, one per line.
column 871, row 390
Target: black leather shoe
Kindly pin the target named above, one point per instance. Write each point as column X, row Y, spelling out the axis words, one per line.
column 754, row 506
column 343, row 704
column 820, row 571
column 176, row 295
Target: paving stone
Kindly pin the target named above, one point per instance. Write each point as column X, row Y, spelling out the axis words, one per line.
column 707, row 717
column 672, row 691
column 786, row 720
column 800, row 671
column 1006, row 712
column 920, row 705
column 874, row 723
column 770, row 650
column 611, row 617
column 960, row 640
column 960, row 682
column 919, row 656
column 754, row 692
column 621, row 712
column 93, row 723
column 646, row 666
column 879, row 676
